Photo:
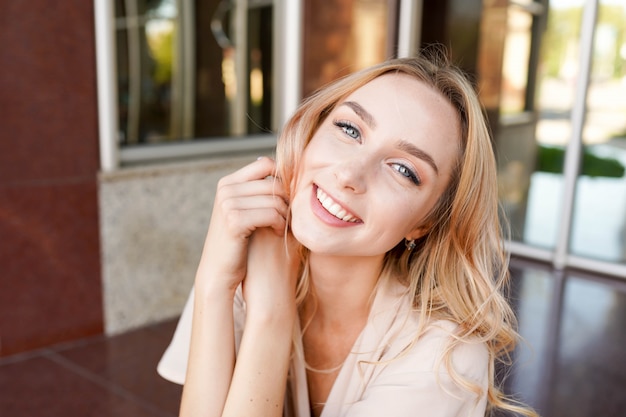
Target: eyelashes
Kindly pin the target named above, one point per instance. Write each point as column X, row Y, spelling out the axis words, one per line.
column 350, row 130
column 407, row 172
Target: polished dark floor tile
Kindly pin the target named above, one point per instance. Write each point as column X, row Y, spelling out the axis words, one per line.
column 41, row 387
column 572, row 362
column 98, row 376
column 129, row 361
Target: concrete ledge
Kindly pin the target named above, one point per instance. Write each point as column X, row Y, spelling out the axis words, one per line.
column 153, row 221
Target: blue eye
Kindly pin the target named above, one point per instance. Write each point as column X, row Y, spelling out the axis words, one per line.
column 349, row 129
column 407, row 172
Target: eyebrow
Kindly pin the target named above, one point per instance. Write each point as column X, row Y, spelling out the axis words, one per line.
column 403, row 145
column 418, row 153
column 362, row 113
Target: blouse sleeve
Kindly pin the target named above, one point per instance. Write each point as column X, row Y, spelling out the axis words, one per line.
column 415, row 384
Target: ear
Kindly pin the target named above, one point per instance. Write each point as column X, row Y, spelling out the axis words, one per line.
column 418, row 232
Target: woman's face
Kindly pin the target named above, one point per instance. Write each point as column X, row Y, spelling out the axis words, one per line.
column 375, row 168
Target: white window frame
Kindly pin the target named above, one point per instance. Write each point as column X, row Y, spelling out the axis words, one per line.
column 287, row 69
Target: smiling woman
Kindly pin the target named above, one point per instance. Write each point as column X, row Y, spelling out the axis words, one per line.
column 361, row 274
column 370, row 155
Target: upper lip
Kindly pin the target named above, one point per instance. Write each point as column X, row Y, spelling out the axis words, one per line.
column 335, row 207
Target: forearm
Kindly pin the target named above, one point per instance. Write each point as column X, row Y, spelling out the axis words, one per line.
column 247, row 202
column 211, row 355
column 259, row 381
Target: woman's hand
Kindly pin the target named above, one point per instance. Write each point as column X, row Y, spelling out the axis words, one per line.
column 245, row 242
column 245, row 201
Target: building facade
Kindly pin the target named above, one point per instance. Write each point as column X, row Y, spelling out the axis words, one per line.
column 120, row 117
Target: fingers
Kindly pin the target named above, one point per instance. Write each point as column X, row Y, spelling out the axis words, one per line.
column 245, row 222
column 255, row 201
column 257, row 170
column 247, row 200
column 253, row 179
column 251, row 198
column 268, row 186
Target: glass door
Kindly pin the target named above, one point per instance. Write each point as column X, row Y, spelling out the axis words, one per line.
column 558, row 75
column 571, row 208
column 599, row 213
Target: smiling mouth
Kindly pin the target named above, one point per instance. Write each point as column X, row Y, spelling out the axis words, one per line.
column 334, row 208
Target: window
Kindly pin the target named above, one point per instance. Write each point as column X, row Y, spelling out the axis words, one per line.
column 189, row 70
column 341, row 37
column 516, row 90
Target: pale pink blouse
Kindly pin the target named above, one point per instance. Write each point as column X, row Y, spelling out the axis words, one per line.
column 386, row 374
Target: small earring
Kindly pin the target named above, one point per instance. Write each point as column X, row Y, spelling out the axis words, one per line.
column 410, row 244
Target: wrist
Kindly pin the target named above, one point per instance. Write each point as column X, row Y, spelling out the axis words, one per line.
column 279, row 314
column 213, row 290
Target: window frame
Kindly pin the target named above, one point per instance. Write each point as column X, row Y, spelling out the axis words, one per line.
column 287, row 64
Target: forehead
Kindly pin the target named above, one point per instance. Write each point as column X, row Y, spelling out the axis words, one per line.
column 402, row 88
column 408, row 108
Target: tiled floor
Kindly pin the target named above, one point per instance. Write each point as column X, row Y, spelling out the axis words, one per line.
column 573, row 362
column 98, row 377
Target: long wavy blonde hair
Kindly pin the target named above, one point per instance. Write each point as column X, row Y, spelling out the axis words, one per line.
column 459, row 269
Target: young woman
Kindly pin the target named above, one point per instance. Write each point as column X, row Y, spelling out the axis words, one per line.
column 360, row 274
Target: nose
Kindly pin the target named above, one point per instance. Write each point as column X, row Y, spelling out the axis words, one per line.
column 352, row 174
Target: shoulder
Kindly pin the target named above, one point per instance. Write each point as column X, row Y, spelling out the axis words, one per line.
column 434, row 374
column 414, row 347
column 437, row 347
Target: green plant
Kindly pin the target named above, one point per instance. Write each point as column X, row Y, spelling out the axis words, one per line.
column 551, row 159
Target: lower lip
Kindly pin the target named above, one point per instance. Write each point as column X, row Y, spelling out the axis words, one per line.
column 325, row 216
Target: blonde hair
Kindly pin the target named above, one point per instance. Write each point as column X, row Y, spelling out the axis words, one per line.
column 458, row 270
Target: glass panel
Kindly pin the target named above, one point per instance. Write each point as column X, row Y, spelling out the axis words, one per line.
column 176, row 69
column 260, row 68
column 516, row 60
column 342, row 36
column 599, row 221
column 531, row 164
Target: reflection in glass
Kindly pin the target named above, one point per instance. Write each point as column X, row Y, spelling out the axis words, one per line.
column 343, row 36
column 516, row 143
column 537, row 221
column 515, row 61
column 599, row 222
column 598, row 228
column 177, row 75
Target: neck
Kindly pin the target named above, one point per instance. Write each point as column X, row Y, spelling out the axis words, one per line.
column 343, row 287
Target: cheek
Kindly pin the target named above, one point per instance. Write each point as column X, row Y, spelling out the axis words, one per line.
column 299, row 207
column 425, row 220
column 415, row 211
column 303, row 225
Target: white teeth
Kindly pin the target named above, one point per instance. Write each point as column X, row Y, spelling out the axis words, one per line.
column 334, row 208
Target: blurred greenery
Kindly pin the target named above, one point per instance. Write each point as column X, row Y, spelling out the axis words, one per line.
column 551, row 159
column 619, row 135
column 161, row 45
